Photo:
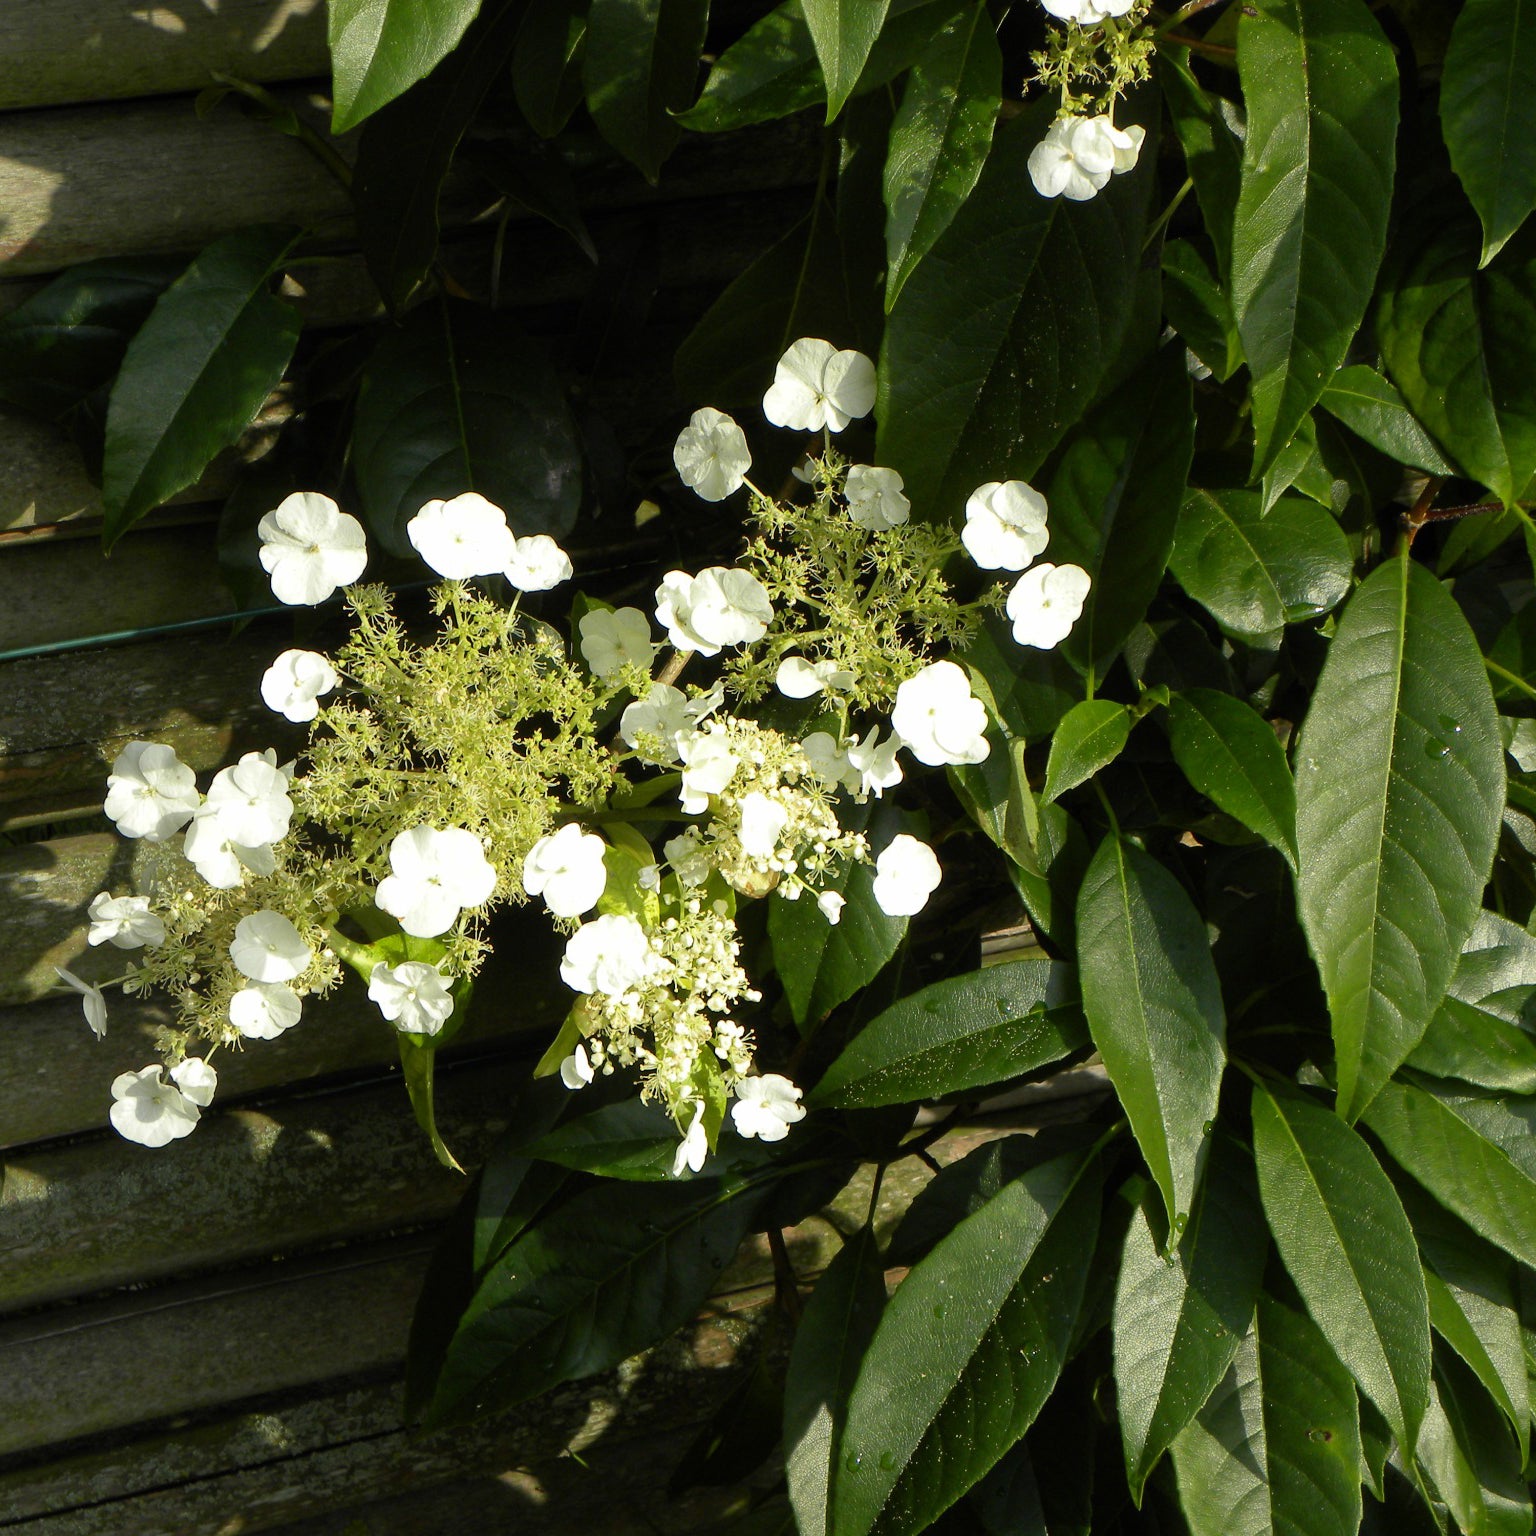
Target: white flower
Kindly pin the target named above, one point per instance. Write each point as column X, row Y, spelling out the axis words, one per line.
column 196, row 1079
column 576, row 1069
column 662, row 714
column 309, row 547
column 688, row 857
column 939, row 718
column 906, row 875
column 766, row 1107
column 537, row 563
column 463, row 537
column 267, row 947
column 816, row 386
column 694, row 1147
column 433, row 876
column 263, row 1010
column 125, row 921
column 798, row 678
column 1045, row 603
column 711, row 454
column 413, row 996
column 1004, row 525
column 831, row 904
column 219, row 861
column 611, row 641
column 708, row 766
column 292, row 685
column 151, row 793
column 716, row 608
column 567, row 869
column 874, row 764
column 1078, row 155
column 91, row 1000
column 875, row 498
column 1086, row 13
column 149, row 1110
column 762, row 820
column 829, row 760
column 250, row 801
column 611, row 954
column 1127, row 143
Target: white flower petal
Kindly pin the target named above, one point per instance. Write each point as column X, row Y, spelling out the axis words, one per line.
column 906, row 875
column 537, row 563
column 463, row 537
column 711, row 455
column 939, row 719
column 309, row 547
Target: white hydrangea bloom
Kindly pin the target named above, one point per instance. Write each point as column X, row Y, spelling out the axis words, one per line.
column 1004, row 525
column 716, row 608
column 906, row 875
column 537, row 563
column 1078, row 155
column 196, row 1079
column 798, row 678
column 763, row 820
column 1087, row 13
column 711, row 454
column 462, row 537
column 92, row 1002
column 709, row 765
column 661, row 715
column 875, row 497
column 434, row 875
column 567, row 870
column 576, row 1070
column 611, row 641
column 250, row 801
column 222, row 863
column 1046, row 601
column 766, row 1107
column 831, row 904
column 611, row 955
column 150, row 1111
column 264, row 1009
column 939, row 718
column 828, row 758
column 151, row 793
column 815, row 386
column 874, row 764
column 293, row 684
column 694, row 1147
column 412, row 995
column 267, row 947
column 689, row 857
column 309, row 547
column 124, row 921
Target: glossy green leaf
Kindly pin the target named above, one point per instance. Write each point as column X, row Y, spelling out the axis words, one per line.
column 196, row 373
column 459, row 399
column 1032, row 689
column 1448, row 1315
column 627, row 1140
column 1472, row 1459
column 1048, row 883
column 1090, row 737
column 1210, row 131
column 1231, row 755
column 967, row 1352
column 996, row 794
column 1321, row 88
column 640, row 65
column 1198, row 309
column 967, row 1032
column 939, row 140
column 546, row 67
column 1154, row 1009
column 380, row 48
column 984, row 366
column 1371, row 408
column 843, row 32
column 1488, row 114
column 1182, row 1310
column 1255, row 571
column 1399, row 790
column 1276, row 1449
column 830, row 1341
column 1346, row 1241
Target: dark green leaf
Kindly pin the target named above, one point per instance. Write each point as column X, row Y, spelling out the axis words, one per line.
column 844, row 32
column 539, row 184
column 1399, row 790
column 1004, row 332
column 1472, row 1459
column 1371, row 408
column 1448, row 1312
column 1231, row 755
column 1049, row 884
column 1210, row 131
column 1489, row 114
column 1090, row 737
column 1032, row 689
column 939, row 140
column 1300, row 465
column 1321, row 88
column 195, row 375
column 1154, row 1009
column 628, row 1140
column 997, row 796
column 967, row 1032
column 1253, row 571
column 460, row 399
column 546, row 68
column 1199, row 311
column 991, row 1334
column 1346, row 1241
column 380, row 48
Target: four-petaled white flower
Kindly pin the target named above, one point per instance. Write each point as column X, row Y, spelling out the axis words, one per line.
column 1004, row 525
column 1045, row 603
column 196, row 1079
column 816, row 386
column 716, row 608
column 576, row 1070
column 939, row 718
column 906, row 875
column 309, row 547
column 694, row 1147
column 874, row 764
column 250, row 801
column 434, row 875
column 689, row 857
column 149, row 1110
column 766, row 1107
column 711, row 454
column 92, row 1002
column 124, row 921
column 663, row 715
column 222, row 863
column 798, row 678
column 567, row 870
column 828, row 758
column 611, row 955
column 875, row 498
column 709, row 765
column 1078, row 155
column 462, row 537
column 151, row 793
column 763, row 819
column 830, row 904
column 537, row 563
column 613, row 640
column 1087, row 13
column 263, row 1010
column 412, row 995
column 292, row 685
column 267, row 947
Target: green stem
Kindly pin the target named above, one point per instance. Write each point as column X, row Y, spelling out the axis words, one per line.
column 1162, row 219
column 1509, row 677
